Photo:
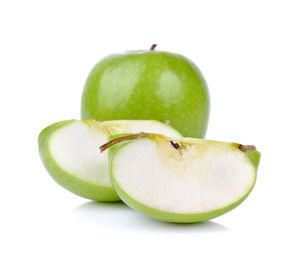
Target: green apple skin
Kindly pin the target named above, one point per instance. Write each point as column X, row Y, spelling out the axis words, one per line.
column 148, row 85
column 66, row 180
column 254, row 158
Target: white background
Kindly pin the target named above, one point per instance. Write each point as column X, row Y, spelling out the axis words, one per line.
column 249, row 53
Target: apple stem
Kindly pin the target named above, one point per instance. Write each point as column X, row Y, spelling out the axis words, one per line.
column 247, row 148
column 117, row 140
column 153, row 47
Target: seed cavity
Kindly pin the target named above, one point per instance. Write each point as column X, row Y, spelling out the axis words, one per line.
column 175, row 145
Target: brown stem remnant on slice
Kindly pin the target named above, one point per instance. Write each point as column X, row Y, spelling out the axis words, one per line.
column 175, row 145
column 246, row 148
column 117, row 140
column 153, row 47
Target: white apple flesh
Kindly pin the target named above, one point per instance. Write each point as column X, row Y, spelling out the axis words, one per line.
column 70, row 153
column 181, row 180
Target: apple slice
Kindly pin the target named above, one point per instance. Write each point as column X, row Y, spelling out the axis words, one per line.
column 181, row 180
column 70, row 153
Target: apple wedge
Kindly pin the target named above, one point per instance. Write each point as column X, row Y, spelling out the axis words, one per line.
column 181, row 180
column 70, row 153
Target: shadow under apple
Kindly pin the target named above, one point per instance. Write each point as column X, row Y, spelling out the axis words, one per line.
column 119, row 216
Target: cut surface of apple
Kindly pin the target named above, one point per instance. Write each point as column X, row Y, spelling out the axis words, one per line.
column 70, row 152
column 181, row 179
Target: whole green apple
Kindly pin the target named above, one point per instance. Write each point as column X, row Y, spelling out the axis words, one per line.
column 148, row 85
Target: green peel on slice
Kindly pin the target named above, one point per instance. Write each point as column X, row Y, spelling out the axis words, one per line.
column 70, row 153
column 181, row 180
